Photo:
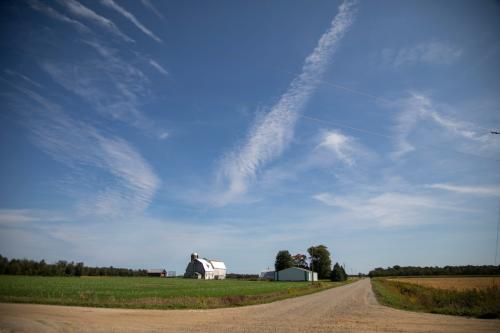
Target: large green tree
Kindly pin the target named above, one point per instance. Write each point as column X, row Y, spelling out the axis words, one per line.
column 320, row 261
column 283, row 260
column 300, row 260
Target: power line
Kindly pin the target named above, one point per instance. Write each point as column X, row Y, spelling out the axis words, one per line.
column 371, row 96
column 347, row 126
column 392, row 137
column 355, row 91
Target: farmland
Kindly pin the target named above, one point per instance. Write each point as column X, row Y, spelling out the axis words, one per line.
column 351, row 308
column 144, row 292
column 453, row 283
column 464, row 296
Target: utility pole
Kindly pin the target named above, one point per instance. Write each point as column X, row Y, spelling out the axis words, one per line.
column 312, row 266
column 496, row 244
column 498, row 222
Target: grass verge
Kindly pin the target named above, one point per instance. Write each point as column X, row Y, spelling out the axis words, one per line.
column 150, row 293
column 483, row 303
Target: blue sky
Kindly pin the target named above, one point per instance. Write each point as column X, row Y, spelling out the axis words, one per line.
column 136, row 132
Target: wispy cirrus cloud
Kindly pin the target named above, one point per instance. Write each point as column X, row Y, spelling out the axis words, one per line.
column 419, row 109
column 271, row 133
column 17, row 217
column 388, row 209
column 433, row 52
column 330, row 151
column 470, row 190
column 77, row 9
column 125, row 85
column 132, row 182
column 151, row 7
column 51, row 12
column 23, row 77
column 344, row 148
column 158, row 67
column 111, row 85
column 113, row 5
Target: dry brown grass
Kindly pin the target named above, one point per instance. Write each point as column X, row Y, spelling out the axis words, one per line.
column 453, row 282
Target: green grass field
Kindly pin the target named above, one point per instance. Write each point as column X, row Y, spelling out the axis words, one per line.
column 144, row 292
column 480, row 303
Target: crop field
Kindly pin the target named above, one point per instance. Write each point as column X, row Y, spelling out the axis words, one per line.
column 461, row 296
column 453, row 283
column 147, row 292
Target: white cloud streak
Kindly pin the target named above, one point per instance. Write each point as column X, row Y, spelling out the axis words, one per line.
column 80, row 10
column 419, row 108
column 125, row 86
column 271, row 134
column 158, row 67
column 51, row 12
column 23, row 77
column 434, row 52
column 388, row 209
column 18, row 217
column 471, row 190
column 113, row 86
column 113, row 5
column 151, row 7
column 343, row 147
column 132, row 184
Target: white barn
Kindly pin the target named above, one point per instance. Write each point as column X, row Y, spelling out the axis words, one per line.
column 219, row 269
column 295, row 274
column 201, row 268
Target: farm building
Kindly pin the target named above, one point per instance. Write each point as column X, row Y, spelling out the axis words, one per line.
column 267, row 274
column 157, row 272
column 205, row 269
column 295, row 274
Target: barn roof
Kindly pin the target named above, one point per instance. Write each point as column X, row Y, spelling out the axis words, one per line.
column 157, row 270
column 206, row 265
column 218, row 264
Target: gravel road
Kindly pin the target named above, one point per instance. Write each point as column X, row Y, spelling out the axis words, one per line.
column 350, row 308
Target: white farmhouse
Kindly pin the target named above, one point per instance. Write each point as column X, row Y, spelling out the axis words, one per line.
column 295, row 274
column 205, row 269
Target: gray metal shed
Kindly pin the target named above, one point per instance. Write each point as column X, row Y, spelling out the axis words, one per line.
column 296, row 274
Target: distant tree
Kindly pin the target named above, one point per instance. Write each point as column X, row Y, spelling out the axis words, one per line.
column 79, row 269
column 283, row 260
column 447, row 270
column 300, row 260
column 14, row 267
column 4, row 263
column 70, row 269
column 320, row 261
column 60, row 268
column 338, row 273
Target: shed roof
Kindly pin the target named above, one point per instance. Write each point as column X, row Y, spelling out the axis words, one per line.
column 297, row 268
column 157, row 270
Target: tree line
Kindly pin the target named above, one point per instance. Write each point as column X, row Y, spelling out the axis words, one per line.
column 242, row 276
column 446, row 270
column 320, row 262
column 61, row 268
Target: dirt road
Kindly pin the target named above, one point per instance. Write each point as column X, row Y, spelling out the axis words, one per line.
column 350, row 308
